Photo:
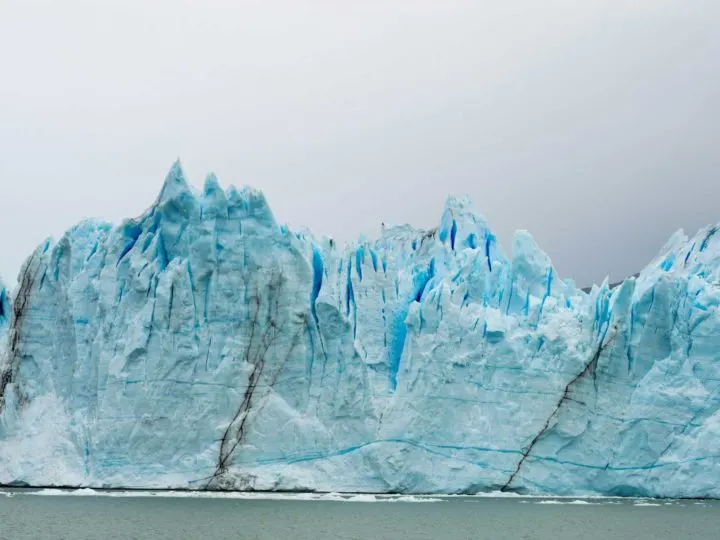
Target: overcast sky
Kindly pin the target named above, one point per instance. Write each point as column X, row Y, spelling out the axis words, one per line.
column 594, row 124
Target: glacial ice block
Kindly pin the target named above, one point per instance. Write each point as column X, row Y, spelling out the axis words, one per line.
column 203, row 345
column 4, row 307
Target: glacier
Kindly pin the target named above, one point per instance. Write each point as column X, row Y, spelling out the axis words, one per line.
column 205, row 346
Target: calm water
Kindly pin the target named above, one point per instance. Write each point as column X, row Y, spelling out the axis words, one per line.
column 57, row 516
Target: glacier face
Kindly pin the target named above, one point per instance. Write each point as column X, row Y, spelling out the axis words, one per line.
column 205, row 346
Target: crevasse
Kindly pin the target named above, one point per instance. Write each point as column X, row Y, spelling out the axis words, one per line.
column 204, row 346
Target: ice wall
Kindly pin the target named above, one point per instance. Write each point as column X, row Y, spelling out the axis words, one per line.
column 205, row 346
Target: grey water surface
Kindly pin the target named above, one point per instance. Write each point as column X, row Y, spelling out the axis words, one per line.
column 25, row 515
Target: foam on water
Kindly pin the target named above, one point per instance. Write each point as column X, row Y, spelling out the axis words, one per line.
column 577, row 501
column 337, row 497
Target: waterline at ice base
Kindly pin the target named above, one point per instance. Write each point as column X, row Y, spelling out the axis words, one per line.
column 203, row 345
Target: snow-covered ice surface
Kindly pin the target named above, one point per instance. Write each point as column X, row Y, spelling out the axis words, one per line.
column 204, row 346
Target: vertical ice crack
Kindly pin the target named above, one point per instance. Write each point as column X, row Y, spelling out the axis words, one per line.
column 19, row 310
column 589, row 369
column 262, row 336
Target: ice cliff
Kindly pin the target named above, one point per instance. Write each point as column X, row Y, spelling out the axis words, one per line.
column 205, row 346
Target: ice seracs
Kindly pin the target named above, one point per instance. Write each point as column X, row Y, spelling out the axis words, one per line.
column 203, row 345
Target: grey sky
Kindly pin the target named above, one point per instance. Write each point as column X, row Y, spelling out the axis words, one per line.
column 593, row 124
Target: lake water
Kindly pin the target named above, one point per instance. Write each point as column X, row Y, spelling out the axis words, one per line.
column 127, row 515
